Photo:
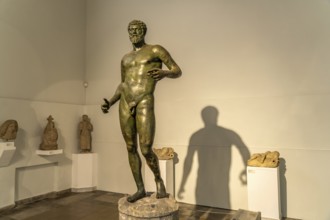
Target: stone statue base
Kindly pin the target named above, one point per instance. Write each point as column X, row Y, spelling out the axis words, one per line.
column 149, row 208
column 49, row 152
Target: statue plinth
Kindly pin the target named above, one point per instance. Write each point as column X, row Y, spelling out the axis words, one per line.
column 149, row 208
column 84, row 172
column 49, row 152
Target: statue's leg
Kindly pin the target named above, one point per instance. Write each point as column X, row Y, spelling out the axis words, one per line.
column 127, row 124
column 145, row 119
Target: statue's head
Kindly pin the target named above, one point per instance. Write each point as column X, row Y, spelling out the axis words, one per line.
column 85, row 118
column 136, row 31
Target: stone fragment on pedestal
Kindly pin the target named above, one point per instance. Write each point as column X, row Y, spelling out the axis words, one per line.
column 149, row 208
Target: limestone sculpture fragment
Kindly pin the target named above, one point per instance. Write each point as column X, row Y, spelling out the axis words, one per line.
column 268, row 159
column 165, row 153
column 8, row 130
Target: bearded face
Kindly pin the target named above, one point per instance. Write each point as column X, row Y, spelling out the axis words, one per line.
column 136, row 33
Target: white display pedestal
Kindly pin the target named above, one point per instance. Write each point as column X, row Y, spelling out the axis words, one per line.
column 84, row 172
column 167, row 172
column 49, row 152
column 264, row 191
column 7, row 151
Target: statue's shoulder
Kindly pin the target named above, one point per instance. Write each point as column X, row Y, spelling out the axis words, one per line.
column 157, row 48
column 126, row 58
column 127, row 55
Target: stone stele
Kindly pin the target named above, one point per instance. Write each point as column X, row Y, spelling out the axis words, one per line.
column 149, row 208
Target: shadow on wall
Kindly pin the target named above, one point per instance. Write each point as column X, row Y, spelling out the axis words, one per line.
column 212, row 144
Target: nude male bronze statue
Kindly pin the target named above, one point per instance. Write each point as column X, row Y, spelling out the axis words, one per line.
column 141, row 69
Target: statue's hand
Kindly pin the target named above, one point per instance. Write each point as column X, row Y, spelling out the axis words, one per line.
column 157, row 74
column 106, row 106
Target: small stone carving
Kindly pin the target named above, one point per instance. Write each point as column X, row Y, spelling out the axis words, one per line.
column 268, row 159
column 85, row 135
column 165, row 153
column 8, row 130
column 50, row 136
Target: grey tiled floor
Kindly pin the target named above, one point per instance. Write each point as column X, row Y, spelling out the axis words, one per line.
column 98, row 205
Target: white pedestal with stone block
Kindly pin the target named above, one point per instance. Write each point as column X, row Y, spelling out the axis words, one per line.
column 264, row 191
column 167, row 172
column 149, row 208
column 7, row 151
column 84, row 172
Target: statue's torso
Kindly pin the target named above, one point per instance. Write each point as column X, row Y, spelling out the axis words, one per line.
column 137, row 83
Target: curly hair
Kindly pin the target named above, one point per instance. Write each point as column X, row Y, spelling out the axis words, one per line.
column 140, row 24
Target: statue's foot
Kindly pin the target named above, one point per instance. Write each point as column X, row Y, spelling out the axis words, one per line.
column 161, row 191
column 138, row 195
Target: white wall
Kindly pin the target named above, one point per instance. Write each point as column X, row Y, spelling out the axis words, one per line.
column 262, row 64
column 42, row 45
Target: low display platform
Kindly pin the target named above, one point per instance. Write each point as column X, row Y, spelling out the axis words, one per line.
column 149, row 208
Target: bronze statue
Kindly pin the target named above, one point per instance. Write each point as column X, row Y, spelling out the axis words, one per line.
column 50, row 136
column 85, row 135
column 8, row 130
column 141, row 69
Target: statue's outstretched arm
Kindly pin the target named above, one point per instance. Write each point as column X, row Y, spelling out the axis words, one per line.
column 108, row 103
